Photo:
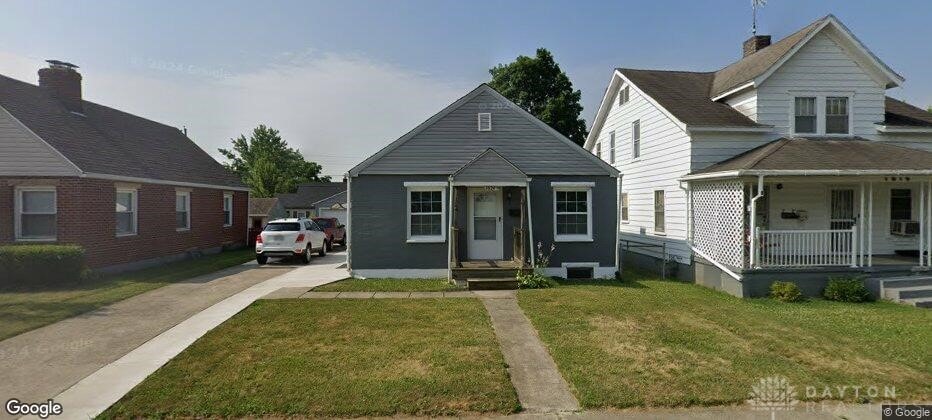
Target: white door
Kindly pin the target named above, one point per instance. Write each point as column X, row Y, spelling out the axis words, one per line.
column 485, row 224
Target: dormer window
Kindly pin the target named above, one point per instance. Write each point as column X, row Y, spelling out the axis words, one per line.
column 623, row 96
column 485, row 121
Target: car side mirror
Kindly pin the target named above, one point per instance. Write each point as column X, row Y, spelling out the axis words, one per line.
column 341, row 226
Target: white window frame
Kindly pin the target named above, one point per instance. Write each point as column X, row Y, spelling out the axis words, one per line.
column 625, row 208
column 611, row 145
column 624, row 95
column 820, row 97
column 663, row 230
column 575, row 187
column 479, row 117
column 431, row 187
column 228, row 198
column 187, row 195
column 636, row 140
column 598, row 150
column 18, row 212
column 135, row 200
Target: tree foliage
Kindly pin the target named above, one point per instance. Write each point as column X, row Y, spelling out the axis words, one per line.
column 266, row 163
column 540, row 87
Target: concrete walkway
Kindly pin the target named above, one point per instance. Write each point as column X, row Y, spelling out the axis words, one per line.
column 39, row 364
column 540, row 387
column 97, row 391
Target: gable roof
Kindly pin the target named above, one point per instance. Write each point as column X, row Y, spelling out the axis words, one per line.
column 310, row 193
column 261, row 206
column 756, row 67
column 899, row 113
column 449, row 139
column 338, row 199
column 489, row 166
column 106, row 141
column 825, row 154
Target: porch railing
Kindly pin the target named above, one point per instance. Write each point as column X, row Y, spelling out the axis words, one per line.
column 807, row 248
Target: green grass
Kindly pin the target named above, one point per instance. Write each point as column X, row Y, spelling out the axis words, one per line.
column 314, row 358
column 388, row 285
column 645, row 342
column 22, row 310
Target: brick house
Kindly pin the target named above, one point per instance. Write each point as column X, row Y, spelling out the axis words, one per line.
column 131, row 191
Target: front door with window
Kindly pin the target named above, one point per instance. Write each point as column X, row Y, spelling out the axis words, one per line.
column 842, row 209
column 484, row 224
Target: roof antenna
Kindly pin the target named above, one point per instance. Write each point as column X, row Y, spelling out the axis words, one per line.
column 756, row 4
column 184, row 129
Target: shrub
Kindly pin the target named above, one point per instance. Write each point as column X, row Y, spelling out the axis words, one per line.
column 40, row 265
column 846, row 289
column 785, row 291
column 535, row 278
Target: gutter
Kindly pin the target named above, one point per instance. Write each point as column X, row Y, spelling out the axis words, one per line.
column 805, row 172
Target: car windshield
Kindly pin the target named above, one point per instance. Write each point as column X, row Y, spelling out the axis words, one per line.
column 282, row 227
column 324, row 223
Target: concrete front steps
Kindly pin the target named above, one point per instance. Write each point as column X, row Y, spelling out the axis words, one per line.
column 491, row 283
column 913, row 290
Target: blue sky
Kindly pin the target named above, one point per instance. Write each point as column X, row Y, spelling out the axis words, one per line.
column 341, row 79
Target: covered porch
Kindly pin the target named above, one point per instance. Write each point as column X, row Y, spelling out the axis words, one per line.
column 803, row 204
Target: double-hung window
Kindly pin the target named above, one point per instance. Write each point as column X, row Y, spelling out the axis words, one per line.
column 611, row 145
column 227, row 209
column 126, row 217
column 623, row 95
column 805, row 115
column 36, row 214
column 426, row 213
column 572, row 211
column 636, row 139
column 182, row 210
column 598, row 150
column 836, row 115
column 624, row 207
column 659, row 212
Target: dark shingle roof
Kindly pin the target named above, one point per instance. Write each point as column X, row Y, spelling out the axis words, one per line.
column 747, row 68
column 826, row 153
column 899, row 113
column 310, row 193
column 686, row 95
column 261, row 205
column 107, row 141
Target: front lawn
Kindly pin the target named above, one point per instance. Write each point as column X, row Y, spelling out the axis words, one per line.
column 389, row 285
column 653, row 343
column 336, row 358
column 27, row 308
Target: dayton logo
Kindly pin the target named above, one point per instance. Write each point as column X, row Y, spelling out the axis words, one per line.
column 773, row 393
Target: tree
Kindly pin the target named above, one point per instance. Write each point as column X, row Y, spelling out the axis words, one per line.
column 541, row 88
column 266, row 163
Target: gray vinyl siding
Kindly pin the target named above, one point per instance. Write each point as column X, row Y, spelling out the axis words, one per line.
column 490, row 167
column 24, row 154
column 453, row 140
column 379, row 217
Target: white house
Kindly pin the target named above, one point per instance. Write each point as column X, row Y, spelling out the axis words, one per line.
column 791, row 163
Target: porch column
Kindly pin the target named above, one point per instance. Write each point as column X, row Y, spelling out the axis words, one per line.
column 922, row 223
column 451, row 236
column 929, row 231
column 870, row 224
column 752, row 230
column 530, row 220
column 863, row 229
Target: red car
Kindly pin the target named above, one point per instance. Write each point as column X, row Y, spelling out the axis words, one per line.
column 335, row 231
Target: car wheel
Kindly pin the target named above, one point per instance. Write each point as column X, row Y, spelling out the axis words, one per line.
column 306, row 258
column 343, row 241
column 323, row 249
column 262, row 259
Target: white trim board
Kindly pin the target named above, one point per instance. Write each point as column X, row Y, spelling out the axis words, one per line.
column 400, row 273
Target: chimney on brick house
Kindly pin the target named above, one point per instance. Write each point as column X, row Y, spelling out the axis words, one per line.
column 63, row 81
column 756, row 43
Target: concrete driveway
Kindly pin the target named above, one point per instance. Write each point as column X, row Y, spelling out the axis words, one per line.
column 42, row 363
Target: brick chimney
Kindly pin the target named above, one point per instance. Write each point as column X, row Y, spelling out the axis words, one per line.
column 64, row 83
column 755, row 44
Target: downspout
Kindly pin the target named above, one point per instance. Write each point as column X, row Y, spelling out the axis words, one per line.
column 753, row 228
column 349, row 223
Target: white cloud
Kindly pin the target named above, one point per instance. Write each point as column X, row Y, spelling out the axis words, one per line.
column 337, row 109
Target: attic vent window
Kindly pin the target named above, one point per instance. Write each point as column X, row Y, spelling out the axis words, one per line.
column 485, row 121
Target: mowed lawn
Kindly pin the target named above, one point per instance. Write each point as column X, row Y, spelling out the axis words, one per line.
column 27, row 308
column 654, row 343
column 389, row 285
column 339, row 358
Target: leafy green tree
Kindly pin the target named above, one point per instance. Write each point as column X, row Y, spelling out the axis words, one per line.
column 540, row 87
column 266, row 163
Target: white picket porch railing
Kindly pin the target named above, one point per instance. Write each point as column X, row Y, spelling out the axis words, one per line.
column 807, row 248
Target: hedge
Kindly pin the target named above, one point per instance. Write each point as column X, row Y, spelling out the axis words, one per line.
column 40, row 265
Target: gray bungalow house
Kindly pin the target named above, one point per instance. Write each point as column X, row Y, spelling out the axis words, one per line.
column 472, row 188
